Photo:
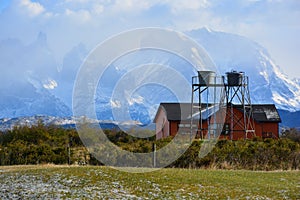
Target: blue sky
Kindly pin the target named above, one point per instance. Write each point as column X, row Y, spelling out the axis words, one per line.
column 272, row 23
column 4, row 4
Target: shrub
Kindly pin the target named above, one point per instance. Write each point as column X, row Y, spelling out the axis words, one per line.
column 49, row 144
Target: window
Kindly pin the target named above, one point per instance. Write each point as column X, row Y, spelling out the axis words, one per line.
column 186, row 128
column 184, row 125
column 226, row 129
column 267, row 135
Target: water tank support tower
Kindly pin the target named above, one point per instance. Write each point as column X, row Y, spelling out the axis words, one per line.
column 207, row 93
column 213, row 94
column 238, row 97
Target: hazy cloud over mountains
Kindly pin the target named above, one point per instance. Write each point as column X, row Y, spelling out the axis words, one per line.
column 272, row 23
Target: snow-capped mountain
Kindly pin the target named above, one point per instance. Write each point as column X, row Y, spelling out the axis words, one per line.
column 32, row 83
column 65, row 122
column 143, row 103
column 10, row 123
column 24, row 99
column 28, row 74
column 67, row 74
column 266, row 81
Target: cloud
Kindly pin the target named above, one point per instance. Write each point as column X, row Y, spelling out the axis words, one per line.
column 78, row 1
column 178, row 6
column 31, row 8
column 80, row 16
column 97, row 9
column 69, row 22
column 129, row 5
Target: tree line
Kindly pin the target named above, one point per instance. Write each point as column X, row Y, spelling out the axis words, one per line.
column 40, row 144
column 37, row 144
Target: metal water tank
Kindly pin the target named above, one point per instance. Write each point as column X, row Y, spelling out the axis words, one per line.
column 206, row 77
column 235, row 78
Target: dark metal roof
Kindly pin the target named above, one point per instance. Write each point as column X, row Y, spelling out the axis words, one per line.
column 182, row 111
column 179, row 111
column 263, row 112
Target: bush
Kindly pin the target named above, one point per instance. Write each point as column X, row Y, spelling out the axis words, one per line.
column 269, row 154
column 292, row 134
column 36, row 144
column 49, row 144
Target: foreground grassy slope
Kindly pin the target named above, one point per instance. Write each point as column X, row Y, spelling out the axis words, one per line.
column 91, row 182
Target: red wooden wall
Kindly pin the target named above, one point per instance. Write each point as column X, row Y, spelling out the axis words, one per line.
column 262, row 129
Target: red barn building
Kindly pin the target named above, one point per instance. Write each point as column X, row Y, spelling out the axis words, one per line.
column 172, row 116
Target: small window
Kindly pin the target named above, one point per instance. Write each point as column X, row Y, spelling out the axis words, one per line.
column 186, row 125
column 226, row 129
column 184, row 128
column 180, row 125
column 267, row 135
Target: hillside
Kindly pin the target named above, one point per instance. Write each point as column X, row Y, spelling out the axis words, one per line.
column 290, row 119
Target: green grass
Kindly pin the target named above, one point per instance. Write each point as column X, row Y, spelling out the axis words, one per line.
column 86, row 182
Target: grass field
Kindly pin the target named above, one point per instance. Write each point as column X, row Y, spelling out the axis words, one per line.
column 91, row 182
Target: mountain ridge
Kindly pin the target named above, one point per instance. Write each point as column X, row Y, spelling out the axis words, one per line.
column 33, row 84
column 266, row 79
